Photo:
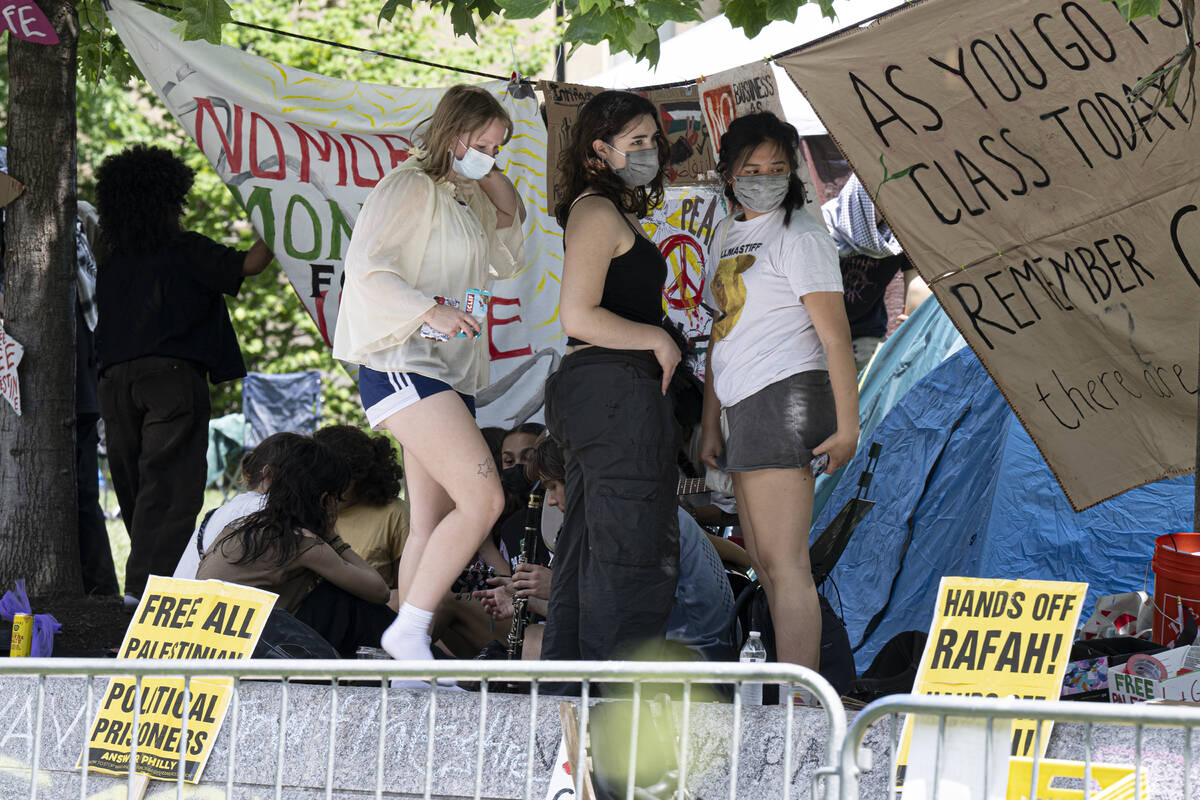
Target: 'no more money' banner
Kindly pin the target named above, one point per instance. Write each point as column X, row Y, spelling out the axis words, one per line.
column 175, row 619
column 1058, row 225
column 302, row 151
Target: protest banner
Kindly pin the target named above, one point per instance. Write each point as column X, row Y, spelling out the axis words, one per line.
column 998, row 638
column 736, row 92
column 10, row 356
column 1057, row 222
column 176, row 619
column 682, row 228
column 301, row 152
column 689, row 142
column 10, row 189
column 563, row 101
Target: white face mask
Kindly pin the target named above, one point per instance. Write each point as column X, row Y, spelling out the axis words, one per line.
column 474, row 164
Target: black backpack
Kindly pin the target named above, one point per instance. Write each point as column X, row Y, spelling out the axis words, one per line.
column 837, row 662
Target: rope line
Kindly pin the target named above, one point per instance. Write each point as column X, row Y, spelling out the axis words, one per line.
column 526, row 81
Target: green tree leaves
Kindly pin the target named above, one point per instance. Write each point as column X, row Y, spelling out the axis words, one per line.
column 1132, row 9
column 203, row 19
column 754, row 15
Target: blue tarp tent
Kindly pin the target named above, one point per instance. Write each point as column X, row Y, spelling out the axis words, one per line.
column 917, row 346
column 961, row 483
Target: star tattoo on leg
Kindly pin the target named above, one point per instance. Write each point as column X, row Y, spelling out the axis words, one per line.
column 485, row 469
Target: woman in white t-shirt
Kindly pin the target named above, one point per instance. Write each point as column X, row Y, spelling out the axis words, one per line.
column 437, row 227
column 780, row 368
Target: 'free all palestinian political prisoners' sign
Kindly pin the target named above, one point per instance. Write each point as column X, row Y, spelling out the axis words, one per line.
column 176, row 619
column 1058, row 223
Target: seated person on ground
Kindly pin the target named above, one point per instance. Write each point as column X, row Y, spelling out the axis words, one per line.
column 515, row 450
column 701, row 617
column 461, row 624
column 257, row 466
column 372, row 518
column 290, row 548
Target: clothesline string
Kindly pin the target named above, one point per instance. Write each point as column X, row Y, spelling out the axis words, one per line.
column 351, row 47
column 464, row 70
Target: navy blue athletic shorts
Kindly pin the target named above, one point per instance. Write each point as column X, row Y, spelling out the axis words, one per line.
column 385, row 393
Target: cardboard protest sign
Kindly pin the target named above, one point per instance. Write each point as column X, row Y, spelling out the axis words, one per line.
column 10, row 189
column 1057, row 223
column 683, row 227
column 23, row 19
column 999, row 638
column 10, row 356
column 736, row 92
column 176, row 619
column 688, row 139
column 563, row 101
column 302, row 151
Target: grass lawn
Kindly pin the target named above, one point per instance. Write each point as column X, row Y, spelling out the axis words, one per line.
column 118, row 539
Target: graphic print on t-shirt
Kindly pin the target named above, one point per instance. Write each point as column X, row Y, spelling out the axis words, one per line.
column 729, row 290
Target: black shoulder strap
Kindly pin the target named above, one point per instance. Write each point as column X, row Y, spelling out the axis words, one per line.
column 200, row 533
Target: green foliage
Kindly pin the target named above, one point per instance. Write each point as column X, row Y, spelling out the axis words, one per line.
column 203, row 19
column 1132, row 9
column 754, row 15
column 627, row 28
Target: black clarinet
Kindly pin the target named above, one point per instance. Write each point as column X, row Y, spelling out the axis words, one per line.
column 533, row 525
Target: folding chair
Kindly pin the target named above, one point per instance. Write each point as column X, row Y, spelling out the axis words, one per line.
column 275, row 403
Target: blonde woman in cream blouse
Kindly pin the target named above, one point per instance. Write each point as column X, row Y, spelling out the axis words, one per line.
column 445, row 221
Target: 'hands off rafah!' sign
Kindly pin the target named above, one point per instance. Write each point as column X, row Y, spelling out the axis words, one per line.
column 1058, row 225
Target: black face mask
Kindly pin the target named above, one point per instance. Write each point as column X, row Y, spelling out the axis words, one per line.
column 515, row 482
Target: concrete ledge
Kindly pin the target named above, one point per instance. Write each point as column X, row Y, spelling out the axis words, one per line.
column 456, row 746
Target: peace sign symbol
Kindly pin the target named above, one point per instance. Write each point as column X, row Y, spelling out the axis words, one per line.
column 683, row 294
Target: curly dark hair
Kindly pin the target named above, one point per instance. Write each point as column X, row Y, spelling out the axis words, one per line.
column 140, row 196
column 260, row 463
column 748, row 132
column 303, row 489
column 375, row 471
column 604, row 117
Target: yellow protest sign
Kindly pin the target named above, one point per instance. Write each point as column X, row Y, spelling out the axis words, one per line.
column 176, row 619
column 999, row 638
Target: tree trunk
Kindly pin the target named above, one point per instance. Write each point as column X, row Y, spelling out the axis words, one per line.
column 39, row 538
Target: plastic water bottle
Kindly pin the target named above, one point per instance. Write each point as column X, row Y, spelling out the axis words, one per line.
column 753, row 652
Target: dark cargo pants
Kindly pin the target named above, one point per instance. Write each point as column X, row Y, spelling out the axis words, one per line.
column 616, row 561
column 155, row 413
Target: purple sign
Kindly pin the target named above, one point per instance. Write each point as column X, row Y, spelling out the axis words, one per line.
column 23, row 19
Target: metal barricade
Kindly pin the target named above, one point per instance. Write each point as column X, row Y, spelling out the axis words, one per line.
column 631, row 680
column 855, row 760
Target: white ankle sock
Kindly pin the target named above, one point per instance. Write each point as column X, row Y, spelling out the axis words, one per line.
column 407, row 638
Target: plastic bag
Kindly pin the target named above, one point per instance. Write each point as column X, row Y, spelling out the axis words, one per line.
column 16, row 601
column 1127, row 614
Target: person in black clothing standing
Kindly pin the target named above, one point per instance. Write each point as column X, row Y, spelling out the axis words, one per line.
column 617, row 557
column 163, row 330
column 869, row 256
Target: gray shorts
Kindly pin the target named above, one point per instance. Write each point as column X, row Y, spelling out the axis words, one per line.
column 778, row 426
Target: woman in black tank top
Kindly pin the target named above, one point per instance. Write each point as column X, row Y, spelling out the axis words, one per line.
column 617, row 557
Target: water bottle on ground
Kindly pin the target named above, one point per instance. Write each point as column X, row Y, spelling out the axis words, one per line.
column 753, row 652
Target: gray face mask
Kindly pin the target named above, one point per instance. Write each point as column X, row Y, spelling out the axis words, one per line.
column 641, row 167
column 761, row 193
